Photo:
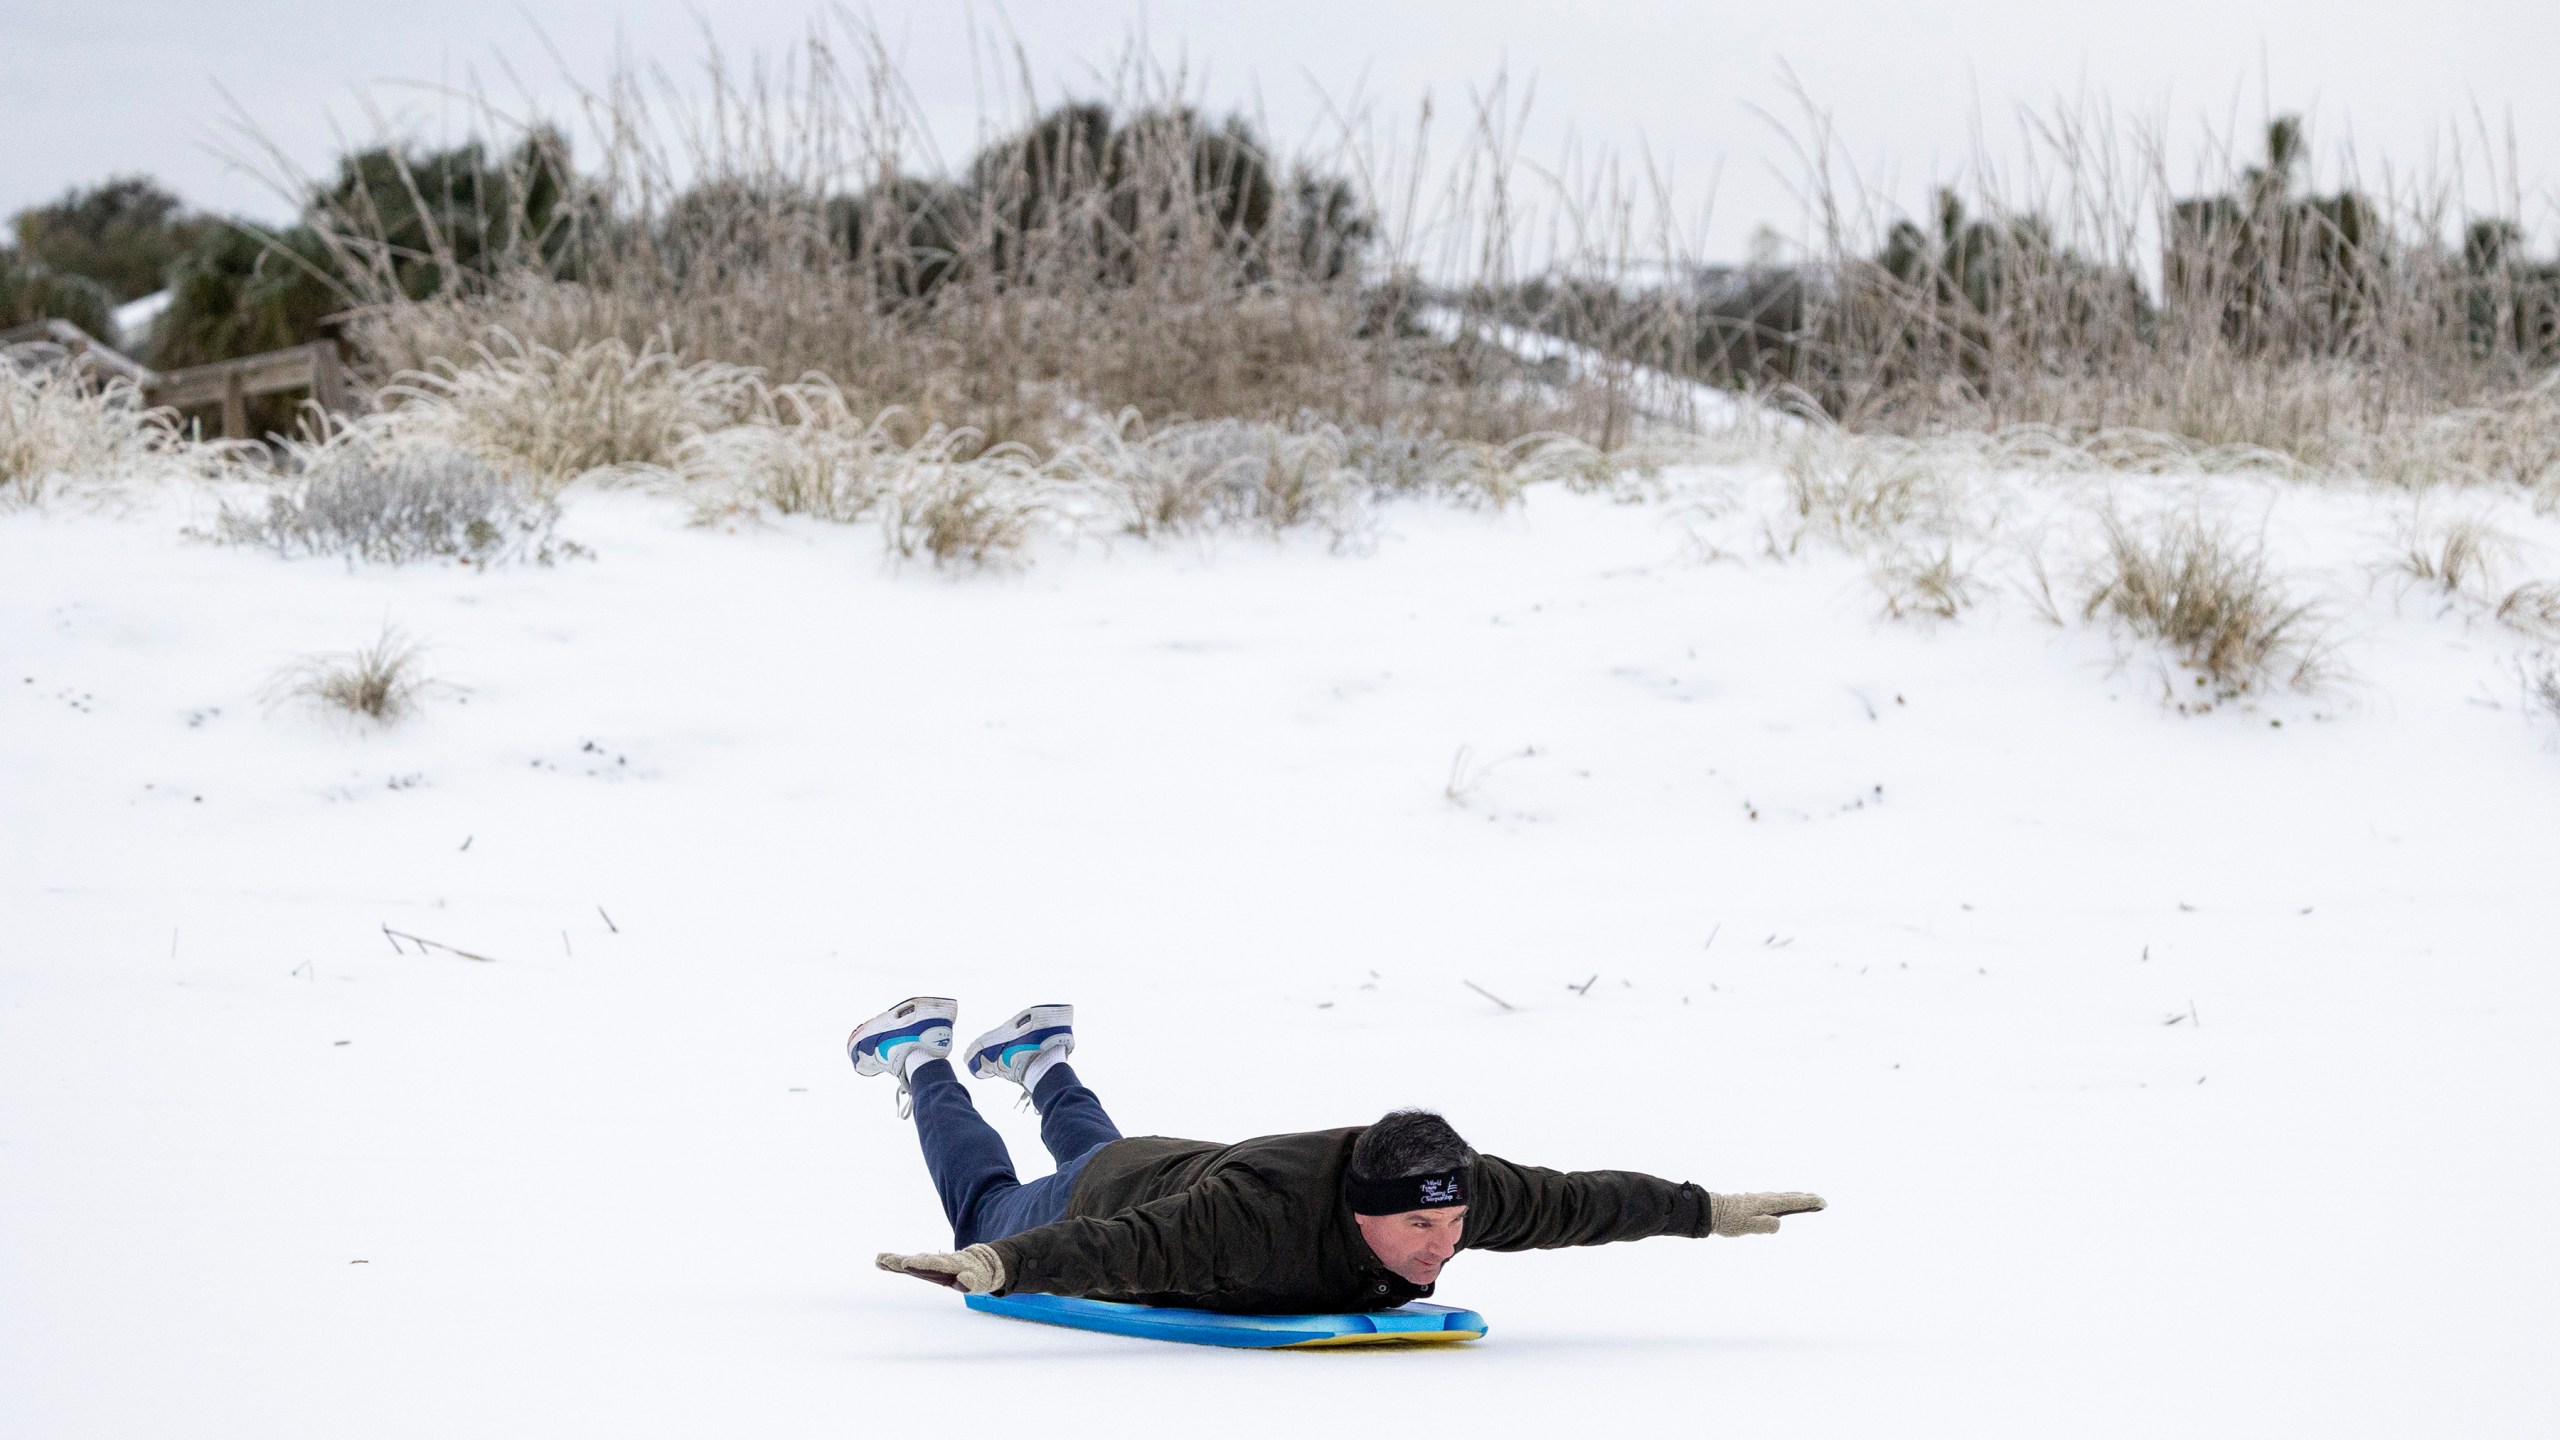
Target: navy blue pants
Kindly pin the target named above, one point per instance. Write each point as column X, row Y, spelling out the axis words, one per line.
column 971, row 1169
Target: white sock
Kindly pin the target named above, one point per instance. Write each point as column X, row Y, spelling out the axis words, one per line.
column 1055, row 1054
column 915, row 1056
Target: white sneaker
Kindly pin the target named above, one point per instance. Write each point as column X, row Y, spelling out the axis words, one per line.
column 1008, row 1050
column 881, row 1044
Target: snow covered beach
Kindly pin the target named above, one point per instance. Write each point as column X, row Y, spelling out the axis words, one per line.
column 2165, row 1072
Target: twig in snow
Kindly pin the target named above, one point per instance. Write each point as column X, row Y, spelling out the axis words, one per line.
column 1489, row 995
column 466, row 842
column 395, row 944
column 1711, row 936
column 424, row 944
column 1585, row 987
column 1459, row 785
column 608, row 921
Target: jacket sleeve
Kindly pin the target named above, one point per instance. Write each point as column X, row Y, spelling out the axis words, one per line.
column 1521, row 1207
column 1208, row 1238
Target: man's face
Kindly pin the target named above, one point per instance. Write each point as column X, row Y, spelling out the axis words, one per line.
column 1416, row 1243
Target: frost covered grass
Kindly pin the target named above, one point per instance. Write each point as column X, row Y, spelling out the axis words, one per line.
column 54, row 427
column 2533, row 607
column 555, row 416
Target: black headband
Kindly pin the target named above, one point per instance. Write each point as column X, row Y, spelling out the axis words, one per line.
column 1409, row 1192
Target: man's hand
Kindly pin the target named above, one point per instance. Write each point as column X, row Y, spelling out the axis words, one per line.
column 977, row 1270
column 1748, row 1214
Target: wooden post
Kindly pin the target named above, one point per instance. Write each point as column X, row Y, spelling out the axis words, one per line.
column 328, row 388
column 235, row 405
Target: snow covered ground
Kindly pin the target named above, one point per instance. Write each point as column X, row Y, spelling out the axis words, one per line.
column 2167, row 1074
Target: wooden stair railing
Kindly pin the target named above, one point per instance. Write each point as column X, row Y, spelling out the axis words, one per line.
column 230, row 384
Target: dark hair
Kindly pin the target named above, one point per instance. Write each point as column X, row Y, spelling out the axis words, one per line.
column 1408, row 1142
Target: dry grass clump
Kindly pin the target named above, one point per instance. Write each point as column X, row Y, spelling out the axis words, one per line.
column 2457, row 557
column 936, row 491
column 1188, row 477
column 371, row 501
column 554, row 415
column 54, row 426
column 974, row 511
column 1195, row 475
column 1857, row 493
column 2541, row 675
column 2533, row 607
column 808, row 453
column 2187, row 584
column 381, row 682
column 1917, row 585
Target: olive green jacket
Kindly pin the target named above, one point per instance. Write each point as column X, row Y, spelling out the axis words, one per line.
column 1262, row 1226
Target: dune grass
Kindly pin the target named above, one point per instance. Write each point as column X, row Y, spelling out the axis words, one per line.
column 2209, row 598
column 380, row 683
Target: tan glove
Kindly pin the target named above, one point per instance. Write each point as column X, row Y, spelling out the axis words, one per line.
column 1754, row 1214
column 977, row 1270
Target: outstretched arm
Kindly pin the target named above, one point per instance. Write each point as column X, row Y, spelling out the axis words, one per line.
column 1523, row 1207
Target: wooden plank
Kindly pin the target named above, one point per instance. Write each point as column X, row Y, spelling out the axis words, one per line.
column 296, row 369
column 235, row 405
column 328, row 381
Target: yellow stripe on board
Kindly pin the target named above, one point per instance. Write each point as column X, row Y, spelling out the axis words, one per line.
column 1389, row 1337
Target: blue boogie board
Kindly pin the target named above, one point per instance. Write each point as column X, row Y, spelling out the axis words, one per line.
column 1414, row 1324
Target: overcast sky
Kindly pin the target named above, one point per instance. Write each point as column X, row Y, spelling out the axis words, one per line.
column 90, row 88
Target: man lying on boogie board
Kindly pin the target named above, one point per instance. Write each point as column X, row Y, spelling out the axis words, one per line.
column 1361, row 1218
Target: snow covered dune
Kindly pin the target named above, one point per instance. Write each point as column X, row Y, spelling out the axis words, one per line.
column 2167, row 1073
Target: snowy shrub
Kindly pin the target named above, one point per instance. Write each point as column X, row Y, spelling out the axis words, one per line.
column 53, row 426
column 555, row 416
column 2184, row 583
column 381, row 682
column 393, row 505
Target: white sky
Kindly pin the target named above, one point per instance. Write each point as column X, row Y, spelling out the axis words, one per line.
column 106, row 86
